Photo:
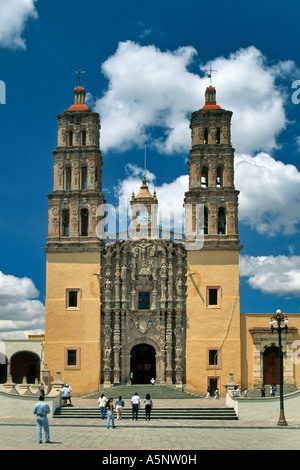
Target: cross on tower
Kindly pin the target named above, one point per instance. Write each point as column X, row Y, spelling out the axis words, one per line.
column 210, row 73
column 79, row 71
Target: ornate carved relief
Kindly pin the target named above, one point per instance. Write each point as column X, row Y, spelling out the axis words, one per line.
column 131, row 268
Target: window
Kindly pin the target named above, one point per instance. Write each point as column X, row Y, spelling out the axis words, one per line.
column 144, row 301
column 68, row 178
column 204, row 177
column 72, row 358
column 83, row 177
column 221, row 221
column 205, row 139
column 73, row 299
column 83, row 138
column 84, row 223
column 213, row 357
column 65, row 225
column 70, row 138
column 213, row 296
column 219, row 181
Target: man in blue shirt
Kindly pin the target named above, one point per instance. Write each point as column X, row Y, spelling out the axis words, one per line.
column 41, row 410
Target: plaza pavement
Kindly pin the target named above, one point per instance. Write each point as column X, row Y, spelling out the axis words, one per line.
column 158, row 434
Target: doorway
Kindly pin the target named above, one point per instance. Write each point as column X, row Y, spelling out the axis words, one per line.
column 142, row 364
column 271, row 365
column 213, row 385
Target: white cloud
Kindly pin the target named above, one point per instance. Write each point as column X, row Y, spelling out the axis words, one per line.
column 269, row 200
column 276, row 275
column 151, row 95
column 13, row 17
column 246, row 85
column 20, row 314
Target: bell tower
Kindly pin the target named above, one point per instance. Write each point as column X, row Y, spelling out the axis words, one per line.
column 211, row 174
column 213, row 312
column 77, row 188
column 72, row 307
column 144, row 208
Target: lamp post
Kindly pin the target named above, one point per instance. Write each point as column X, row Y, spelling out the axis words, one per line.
column 281, row 321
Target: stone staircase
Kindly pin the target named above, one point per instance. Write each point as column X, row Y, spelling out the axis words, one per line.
column 157, row 391
column 170, row 414
column 255, row 392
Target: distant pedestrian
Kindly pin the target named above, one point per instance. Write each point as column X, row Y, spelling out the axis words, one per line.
column 110, row 413
column 148, row 406
column 208, row 393
column 42, row 390
column 152, row 381
column 245, row 393
column 119, row 407
column 217, row 396
column 69, row 397
column 65, row 394
column 101, row 403
column 262, row 391
column 135, row 402
column 41, row 410
column 273, row 389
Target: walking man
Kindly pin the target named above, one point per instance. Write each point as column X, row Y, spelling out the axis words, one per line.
column 41, row 410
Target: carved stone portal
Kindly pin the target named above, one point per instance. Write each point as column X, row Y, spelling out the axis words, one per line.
column 143, row 291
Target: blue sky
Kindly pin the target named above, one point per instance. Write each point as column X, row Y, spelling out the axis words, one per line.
column 145, row 68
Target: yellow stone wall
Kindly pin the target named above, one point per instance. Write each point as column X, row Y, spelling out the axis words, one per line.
column 212, row 327
column 73, row 328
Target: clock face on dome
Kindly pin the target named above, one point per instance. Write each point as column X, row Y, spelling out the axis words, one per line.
column 143, row 217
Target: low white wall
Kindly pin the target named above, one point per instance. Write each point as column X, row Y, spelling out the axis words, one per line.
column 261, row 409
column 17, row 406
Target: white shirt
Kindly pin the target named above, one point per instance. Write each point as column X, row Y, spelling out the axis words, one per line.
column 135, row 400
column 102, row 401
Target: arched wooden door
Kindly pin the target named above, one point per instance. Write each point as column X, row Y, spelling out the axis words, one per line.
column 143, row 362
column 271, row 365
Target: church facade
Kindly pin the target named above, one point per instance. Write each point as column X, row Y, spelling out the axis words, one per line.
column 147, row 304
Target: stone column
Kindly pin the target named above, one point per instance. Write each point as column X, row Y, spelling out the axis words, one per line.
column 107, row 350
column 116, row 347
column 169, row 370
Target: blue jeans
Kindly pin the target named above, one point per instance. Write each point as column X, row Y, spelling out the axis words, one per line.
column 135, row 410
column 103, row 411
column 110, row 416
column 42, row 422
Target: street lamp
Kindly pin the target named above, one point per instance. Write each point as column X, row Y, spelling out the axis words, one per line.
column 281, row 321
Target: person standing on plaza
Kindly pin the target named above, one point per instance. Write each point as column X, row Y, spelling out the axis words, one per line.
column 263, row 391
column 148, row 406
column 110, row 413
column 208, row 393
column 119, row 407
column 217, row 396
column 135, row 402
column 42, row 390
column 102, row 403
column 41, row 410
